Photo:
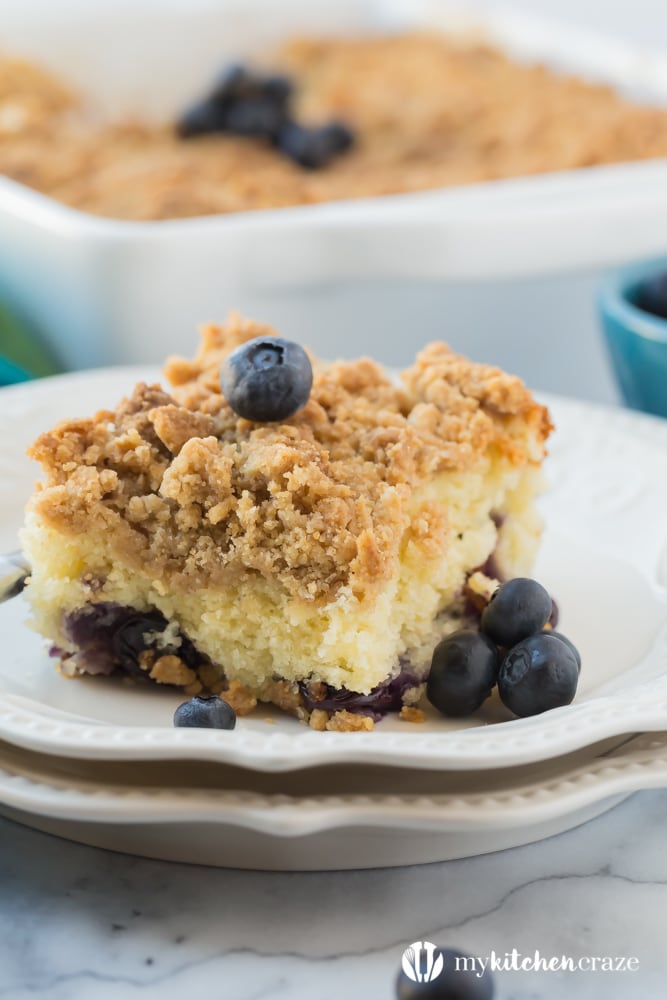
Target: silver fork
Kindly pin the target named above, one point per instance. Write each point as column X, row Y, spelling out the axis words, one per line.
column 14, row 571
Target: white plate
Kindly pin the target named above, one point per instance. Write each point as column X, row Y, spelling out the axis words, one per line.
column 604, row 557
column 207, row 815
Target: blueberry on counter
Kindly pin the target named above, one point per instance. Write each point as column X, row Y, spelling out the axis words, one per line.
column 464, row 670
column 651, row 295
column 314, row 147
column 453, row 983
column 205, row 712
column 538, row 674
column 518, row 608
column 267, row 379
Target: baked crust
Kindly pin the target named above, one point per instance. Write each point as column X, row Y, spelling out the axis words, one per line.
column 187, row 492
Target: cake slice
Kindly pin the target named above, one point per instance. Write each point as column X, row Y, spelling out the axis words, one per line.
column 312, row 563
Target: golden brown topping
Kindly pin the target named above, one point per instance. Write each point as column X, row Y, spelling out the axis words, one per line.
column 186, row 490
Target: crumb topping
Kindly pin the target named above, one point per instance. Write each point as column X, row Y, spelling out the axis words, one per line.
column 184, row 490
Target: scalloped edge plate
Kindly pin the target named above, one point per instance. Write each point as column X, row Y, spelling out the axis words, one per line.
column 604, row 557
column 247, row 829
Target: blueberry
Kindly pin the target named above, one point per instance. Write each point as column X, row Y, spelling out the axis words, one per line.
column 554, row 617
column 277, row 89
column 463, row 672
column 256, row 117
column 340, row 136
column 267, row 379
column 201, row 119
column 570, row 645
column 235, row 83
column 462, row 983
column 314, row 147
column 538, row 674
column 205, row 713
column 133, row 637
column 651, row 295
column 518, row 609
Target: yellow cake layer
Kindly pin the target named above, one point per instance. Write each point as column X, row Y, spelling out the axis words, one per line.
column 255, row 631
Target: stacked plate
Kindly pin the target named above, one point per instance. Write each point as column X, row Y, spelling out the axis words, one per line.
column 98, row 760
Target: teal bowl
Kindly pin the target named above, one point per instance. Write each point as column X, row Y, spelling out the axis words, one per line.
column 636, row 340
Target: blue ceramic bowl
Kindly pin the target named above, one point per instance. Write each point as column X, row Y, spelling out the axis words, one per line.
column 636, row 340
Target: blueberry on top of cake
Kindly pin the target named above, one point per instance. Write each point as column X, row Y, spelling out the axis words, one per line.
column 313, row 562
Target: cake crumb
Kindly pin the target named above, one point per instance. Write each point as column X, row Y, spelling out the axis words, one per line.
column 193, row 689
column 170, row 669
column 410, row 714
column 241, row 700
column 349, row 722
column 66, row 667
column 480, row 588
column 318, row 720
column 284, row 695
column 211, row 678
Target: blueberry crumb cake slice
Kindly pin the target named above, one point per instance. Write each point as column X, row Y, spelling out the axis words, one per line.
column 314, row 561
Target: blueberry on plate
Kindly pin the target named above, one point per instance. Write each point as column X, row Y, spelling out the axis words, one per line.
column 538, row 674
column 267, row 379
column 205, row 712
column 651, row 295
column 568, row 643
column 460, row 982
column 464, row 670
column 518, row 608
column 314, row 147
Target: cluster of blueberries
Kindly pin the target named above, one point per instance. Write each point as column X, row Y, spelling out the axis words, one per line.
column 246, row 103
column 535, row 668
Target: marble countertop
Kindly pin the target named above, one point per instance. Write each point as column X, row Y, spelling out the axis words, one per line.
column 78, row 923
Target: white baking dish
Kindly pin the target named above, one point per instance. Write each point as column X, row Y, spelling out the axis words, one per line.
column 504, row 270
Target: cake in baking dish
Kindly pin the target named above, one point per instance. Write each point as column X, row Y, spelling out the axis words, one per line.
column 313, row 563
column 425, row 110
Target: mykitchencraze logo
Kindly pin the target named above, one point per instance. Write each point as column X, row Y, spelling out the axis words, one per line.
column 422, row 962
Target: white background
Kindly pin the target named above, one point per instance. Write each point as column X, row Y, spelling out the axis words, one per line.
column 642, row 20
